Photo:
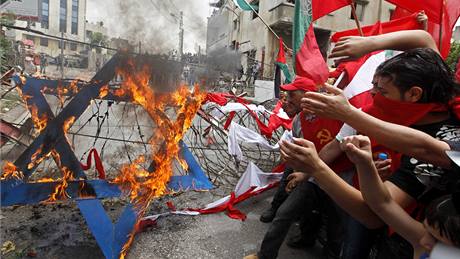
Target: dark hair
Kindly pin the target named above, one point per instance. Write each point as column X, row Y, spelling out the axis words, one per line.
column 421, row 67
column 444, row 214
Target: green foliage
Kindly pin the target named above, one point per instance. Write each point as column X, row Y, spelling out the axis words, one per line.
column 454, row 54
column 6, row 47
column 98, row 38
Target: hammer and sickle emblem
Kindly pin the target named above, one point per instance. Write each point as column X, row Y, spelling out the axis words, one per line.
column 324, row 136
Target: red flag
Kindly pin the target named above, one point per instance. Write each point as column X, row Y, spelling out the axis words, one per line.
column 450, row 15
column 352, row 67
column 323, row 7
column 402, row 23
column 309, row 62
column 432, row 8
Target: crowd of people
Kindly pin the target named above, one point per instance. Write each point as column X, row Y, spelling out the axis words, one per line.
column 382, row 179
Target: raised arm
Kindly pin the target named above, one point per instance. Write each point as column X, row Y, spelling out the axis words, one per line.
column 302, row 156
column 375, row 193
column 403, row 139
column 355, row 46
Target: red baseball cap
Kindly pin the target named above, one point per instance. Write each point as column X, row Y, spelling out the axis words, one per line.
column 300, row 83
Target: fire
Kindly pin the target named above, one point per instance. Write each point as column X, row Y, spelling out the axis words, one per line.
column 141, row 185
column 10, row 171
column 43, row 180
column 36, row 159
column 104, row 91
column 61, row 93
column 40, row 122
column 66, row 126
column 74, row 86
column 59, row 192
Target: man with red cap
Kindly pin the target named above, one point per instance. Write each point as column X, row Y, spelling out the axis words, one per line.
column 306, row 200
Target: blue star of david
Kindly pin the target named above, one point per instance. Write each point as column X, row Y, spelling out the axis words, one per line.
column 110, row 237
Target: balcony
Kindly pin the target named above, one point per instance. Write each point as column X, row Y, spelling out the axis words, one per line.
column 281, row 16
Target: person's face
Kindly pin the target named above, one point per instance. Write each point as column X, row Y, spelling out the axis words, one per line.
column 294, row 99
column 289, row 109
column 431, row 237
column 385, row 86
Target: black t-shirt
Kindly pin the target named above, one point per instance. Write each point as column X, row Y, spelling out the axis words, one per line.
column 424, row 181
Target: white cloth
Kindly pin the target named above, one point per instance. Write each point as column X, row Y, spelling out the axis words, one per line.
column 232, row 107
column 362, row 81
column 238, row 133
column 254, row 177
column 345, row 131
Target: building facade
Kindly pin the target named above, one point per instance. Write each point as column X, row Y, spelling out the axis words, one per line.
column 230, row 27
column 53, row 17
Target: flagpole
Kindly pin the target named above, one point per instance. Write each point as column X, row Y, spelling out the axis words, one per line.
column 268, row 26
column 353, row 11
column 440, row 25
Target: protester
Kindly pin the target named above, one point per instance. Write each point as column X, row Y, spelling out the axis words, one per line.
column 44, row 63
column 306, row 199
column 442, row 223
column 417, row 76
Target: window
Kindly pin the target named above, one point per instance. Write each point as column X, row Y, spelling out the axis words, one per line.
column 359, row 7
column 45, row 14
column 235, row 24
column 44, row 42
column 73, row 46
column 63, row 16
column 74, row 28
column 30, row 37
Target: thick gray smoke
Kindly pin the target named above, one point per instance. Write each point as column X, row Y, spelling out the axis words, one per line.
column 155, row 23
column 224, row 62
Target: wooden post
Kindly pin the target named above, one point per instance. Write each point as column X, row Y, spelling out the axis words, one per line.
column 353, row 11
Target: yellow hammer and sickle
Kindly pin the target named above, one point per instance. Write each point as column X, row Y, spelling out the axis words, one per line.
column 324, row 136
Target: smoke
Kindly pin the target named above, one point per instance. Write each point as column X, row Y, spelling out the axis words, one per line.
column 224, row 62
column 154, row 23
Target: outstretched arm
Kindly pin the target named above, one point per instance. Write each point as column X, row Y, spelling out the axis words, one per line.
column 351, row 47
column 375, row 193
column 403, row 139
column 302, row 156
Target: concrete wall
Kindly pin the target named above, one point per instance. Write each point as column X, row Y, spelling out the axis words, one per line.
column 22, row 8
column 53, row 28
column 252, row 34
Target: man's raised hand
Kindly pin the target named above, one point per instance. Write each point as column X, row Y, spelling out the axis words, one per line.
column 358, row 149
column 332, row 105
column 351, row 47
column 300, row 155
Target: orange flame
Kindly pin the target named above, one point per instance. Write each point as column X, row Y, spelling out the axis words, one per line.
column 66, row 126
column 61, row 93
column 104, row 91
column 39, row 121
column 59, row 192
column 141, row 185
column 36, row 159
column 11, row 171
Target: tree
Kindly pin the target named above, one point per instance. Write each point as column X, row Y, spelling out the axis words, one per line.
column 454, row 54
column 6, row 47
